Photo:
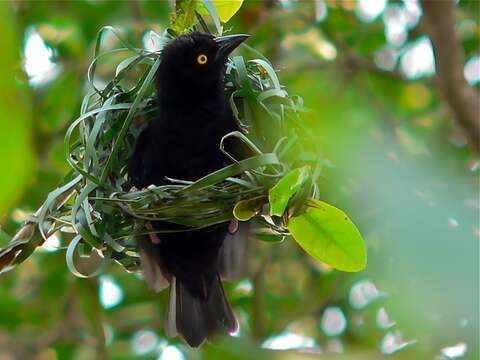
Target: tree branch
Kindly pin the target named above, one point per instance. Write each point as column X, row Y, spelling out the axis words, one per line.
column 449, row 58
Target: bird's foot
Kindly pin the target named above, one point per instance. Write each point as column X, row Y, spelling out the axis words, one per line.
column 233, row 227
column 153, row 237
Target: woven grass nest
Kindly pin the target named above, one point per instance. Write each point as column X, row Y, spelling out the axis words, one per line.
column 103, row 215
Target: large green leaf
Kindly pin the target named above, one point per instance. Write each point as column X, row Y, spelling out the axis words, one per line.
column 225, row 9
column 281, row 193
column 328, row 235
column 16, row 149
column 219, row 10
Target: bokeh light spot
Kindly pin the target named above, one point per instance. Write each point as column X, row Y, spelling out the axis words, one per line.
column 418, row 59
column 395, row 33
column 171, row 353
column 393, row 342
column 109, row 334
column 52, row 243
column 363, row 293
column 416, row 96
column 386, row 58
column 369, row 10
column 111, row 293
column 412, row 11
column 333, row 321
column 244, row 287
column 455, row 351
column 288, row 340
column 144, row 342
column 38, row 59
column 19, row 215
column 383, row 320
column 472, row 70
column 452, row 222
column 321, row 10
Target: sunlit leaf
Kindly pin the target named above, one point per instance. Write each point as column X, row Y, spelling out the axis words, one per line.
column 184, row 15
column 328, row 235
column 225, row 9
column 281, row 193
column 246, row 209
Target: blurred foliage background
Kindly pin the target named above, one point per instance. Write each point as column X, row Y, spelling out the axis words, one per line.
column 399, row 138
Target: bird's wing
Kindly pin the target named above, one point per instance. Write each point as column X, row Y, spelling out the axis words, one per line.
column 138, row 169
column 151, row 263
column 234, row 252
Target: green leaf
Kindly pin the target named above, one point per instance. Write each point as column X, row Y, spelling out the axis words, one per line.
column 268, row 235
column 246, row 209
column 225, row 9
column 213, row 13
column 327, row 234
column 184, row 17
column 98, row 262
column 281, row 193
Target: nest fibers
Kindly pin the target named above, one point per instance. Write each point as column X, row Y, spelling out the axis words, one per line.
column 95, row 203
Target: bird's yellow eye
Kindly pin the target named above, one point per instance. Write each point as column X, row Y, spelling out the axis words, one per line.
column 202, row 59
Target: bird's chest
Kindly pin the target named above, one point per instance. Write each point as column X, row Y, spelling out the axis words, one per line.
column 189, row 147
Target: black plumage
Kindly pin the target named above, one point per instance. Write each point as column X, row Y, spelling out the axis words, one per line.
column 182, row 142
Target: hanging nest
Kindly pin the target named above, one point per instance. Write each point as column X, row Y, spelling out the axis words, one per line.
column 95, row 202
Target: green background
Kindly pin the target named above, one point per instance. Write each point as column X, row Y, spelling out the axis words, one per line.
column 395, row 163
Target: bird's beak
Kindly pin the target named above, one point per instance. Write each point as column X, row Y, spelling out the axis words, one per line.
column 228, row 43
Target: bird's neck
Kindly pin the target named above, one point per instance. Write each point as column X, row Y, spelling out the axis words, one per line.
column 189, row 97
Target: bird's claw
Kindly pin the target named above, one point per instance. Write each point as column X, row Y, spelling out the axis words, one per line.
column 233, row 226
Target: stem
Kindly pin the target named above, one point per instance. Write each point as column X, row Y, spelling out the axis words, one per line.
column 93, row 313
column 258, row 323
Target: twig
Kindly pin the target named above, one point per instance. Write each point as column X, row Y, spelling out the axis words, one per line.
column 459, row 95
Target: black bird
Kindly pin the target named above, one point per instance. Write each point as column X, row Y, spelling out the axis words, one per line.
column 182, row 142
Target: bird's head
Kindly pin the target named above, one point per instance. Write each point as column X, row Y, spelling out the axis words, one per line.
column 196, row 61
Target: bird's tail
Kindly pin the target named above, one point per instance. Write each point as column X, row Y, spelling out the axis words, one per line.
column 196, row 318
